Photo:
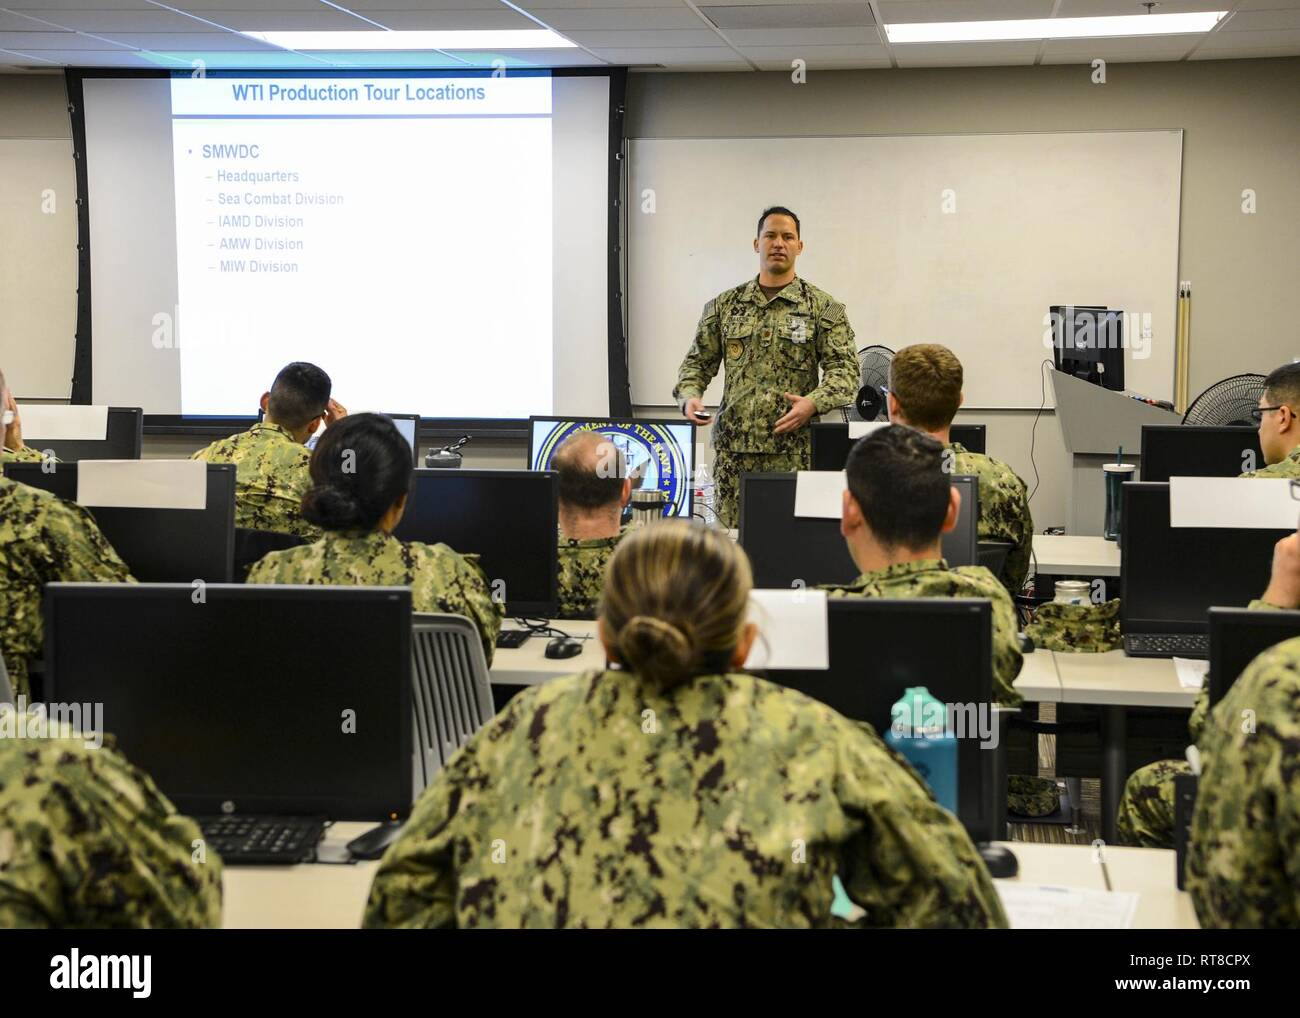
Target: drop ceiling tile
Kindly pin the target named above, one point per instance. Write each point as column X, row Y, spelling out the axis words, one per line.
column 28, row 41
column 742, row 38
column 623, row 19
column 1261, row 21
column 686, row 57
column 1223, row 45
column 416, row 21
column 322, row 19
column 1129, row 49
column 1110, row 8
column 817, row 56
column 893, row 12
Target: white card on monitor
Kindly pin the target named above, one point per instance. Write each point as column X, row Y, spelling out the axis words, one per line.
column 792, row 629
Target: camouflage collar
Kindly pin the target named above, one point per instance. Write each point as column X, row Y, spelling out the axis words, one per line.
column 369, row 538
column 793, row 291
column 1293, row 455
column 898, row 569
column 956, row 447
column 271, row 427
column 590, row 542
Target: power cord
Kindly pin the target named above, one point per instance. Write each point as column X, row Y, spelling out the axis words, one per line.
column 1033, row 431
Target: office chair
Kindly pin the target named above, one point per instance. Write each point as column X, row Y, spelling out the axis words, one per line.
column 452, row 696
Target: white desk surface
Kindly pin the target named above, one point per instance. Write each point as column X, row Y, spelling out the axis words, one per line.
column 1148, row 871
column 1069, row 554
column 528, row 665
column 1112, row 679
column 320, row 896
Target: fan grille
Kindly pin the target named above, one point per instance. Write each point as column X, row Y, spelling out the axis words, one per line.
column 1229, row 401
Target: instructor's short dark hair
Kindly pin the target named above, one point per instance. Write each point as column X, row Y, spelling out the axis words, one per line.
column 776, row 210
column 300, row 392
column 896, row 475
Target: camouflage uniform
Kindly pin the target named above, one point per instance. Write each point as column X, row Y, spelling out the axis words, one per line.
column 1077, row 628
column 768, row 348
column 582, row 573
column 1243, row 859
column 1004, row 511
column 24, row 455
column 1289, row 467
column 43, row 539
column 271, row 478
column 1029, row 796
column 935, row 578
column 88, row 842
column 441, row 580
column 1146, row 812
column 726, row 801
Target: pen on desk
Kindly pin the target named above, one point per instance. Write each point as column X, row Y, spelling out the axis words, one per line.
column 1098, row 847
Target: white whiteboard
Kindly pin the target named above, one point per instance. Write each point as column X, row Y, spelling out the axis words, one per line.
column 38, row 266
column 1039, row 219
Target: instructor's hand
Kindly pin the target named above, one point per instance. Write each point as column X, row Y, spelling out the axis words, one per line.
column 688, row 411
column 801, row 411
column 334, row 412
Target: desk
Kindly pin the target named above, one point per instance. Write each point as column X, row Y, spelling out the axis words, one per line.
column 528, row 665
column 318, row 896
column 1070, row 555
column 1115, row 682
column 1147, row 871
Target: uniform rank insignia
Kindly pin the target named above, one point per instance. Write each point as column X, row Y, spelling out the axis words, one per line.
column 798, row 329
column 734, row 348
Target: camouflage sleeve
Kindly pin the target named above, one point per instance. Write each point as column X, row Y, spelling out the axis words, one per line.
column 88, row 841
column 81, row 551
column 1007, row 658
column 702, row 360
column 1016, row 568
column 1243, row 860
column 455, row 584
column 838, row 355
column 912, row 864
column 27, row 454
column 1200, row 712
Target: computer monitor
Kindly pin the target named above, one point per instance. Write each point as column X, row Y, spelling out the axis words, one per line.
column 123, row 438
column 261, row 699
column 158, row 545
column 1088, row 343
column 508, row 518
column 1238, row 636
column 1172, row 576
column 1185, row 450
column 409, row 426
column 831, row 442
column 880, row 646
column 785, row 549
column 660, row 453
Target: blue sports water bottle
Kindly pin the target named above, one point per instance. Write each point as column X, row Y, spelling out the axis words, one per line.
column 919, row 733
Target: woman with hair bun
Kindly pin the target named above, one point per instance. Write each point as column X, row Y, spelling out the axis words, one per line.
column 361, row 476
column 673, row 790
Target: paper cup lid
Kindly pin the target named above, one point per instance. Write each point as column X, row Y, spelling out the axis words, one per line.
column 1119, row 467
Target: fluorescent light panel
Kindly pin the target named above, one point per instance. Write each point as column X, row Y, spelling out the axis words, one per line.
column 527, row 38
column 1056, row 28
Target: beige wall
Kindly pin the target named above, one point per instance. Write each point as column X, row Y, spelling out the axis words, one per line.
column 34, row 106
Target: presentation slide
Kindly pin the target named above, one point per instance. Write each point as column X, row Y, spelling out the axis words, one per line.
column 659, row 454
column 435, row 243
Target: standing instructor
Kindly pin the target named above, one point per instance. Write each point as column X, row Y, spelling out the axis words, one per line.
column 773, row 334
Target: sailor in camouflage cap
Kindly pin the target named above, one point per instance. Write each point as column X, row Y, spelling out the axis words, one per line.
column 771, row 336
column 271, row 458
column 1243, row 860
column 675, row 791
column 925, row 392
column 88, row 842
column 1146, row 811
column 898, row 505
column 1278, row 415
column 594, row 487
column 361, row 475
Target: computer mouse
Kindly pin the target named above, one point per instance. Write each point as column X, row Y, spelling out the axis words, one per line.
column 1000, row 860
column 562, row 647
column 373, row 843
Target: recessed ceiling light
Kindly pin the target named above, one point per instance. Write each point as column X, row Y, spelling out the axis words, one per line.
column 528, row 38
column 1056, row 28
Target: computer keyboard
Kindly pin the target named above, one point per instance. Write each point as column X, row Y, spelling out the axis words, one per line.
column 260, row 840
column 1167, row 645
